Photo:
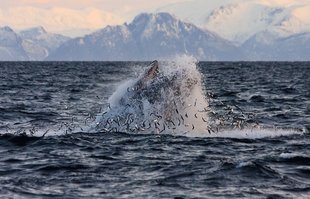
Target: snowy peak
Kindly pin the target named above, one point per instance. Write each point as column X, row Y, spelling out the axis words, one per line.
column 122, row 32
column 8, row 37
column 153, row 18
column 39, row 43
column 6, row 29
column 33, row 32
column 11, row 45
column 297, row 21
column 148, row 24
column 40, row 34
column 238, row 20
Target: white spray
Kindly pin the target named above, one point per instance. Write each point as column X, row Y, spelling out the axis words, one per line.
column 173, row 102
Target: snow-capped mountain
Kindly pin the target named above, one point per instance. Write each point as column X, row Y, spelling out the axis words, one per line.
column 39, row 44
column 149, row 36
column 268, row 46
column 29, row 45
column 238, row 20
column 11, row 48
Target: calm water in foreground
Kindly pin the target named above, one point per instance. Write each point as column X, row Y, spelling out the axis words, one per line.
column 272, row 161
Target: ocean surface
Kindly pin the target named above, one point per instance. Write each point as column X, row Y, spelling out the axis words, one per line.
column 49, row 147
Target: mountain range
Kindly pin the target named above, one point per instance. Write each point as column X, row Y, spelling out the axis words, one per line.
column 147, row 37
column 153, row 36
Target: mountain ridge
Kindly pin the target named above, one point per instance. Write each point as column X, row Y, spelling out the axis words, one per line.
column 148, row 36
column 151, row 36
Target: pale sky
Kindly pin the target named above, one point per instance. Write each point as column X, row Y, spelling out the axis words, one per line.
column 68, row 16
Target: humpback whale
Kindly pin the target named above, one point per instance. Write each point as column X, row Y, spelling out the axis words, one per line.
column 164, row 97
column 168, row 97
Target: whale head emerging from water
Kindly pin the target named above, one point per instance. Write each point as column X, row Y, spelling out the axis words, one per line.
column 149, row 75
column 155, row 84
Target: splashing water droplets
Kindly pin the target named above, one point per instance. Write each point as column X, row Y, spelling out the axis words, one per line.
column 167, row 98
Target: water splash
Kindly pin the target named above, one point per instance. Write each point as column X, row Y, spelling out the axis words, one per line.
column 169, row 100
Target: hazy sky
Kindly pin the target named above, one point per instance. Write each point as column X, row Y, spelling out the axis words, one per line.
column 66, row 15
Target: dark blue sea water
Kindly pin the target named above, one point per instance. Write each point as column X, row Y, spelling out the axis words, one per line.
column 58, row 99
